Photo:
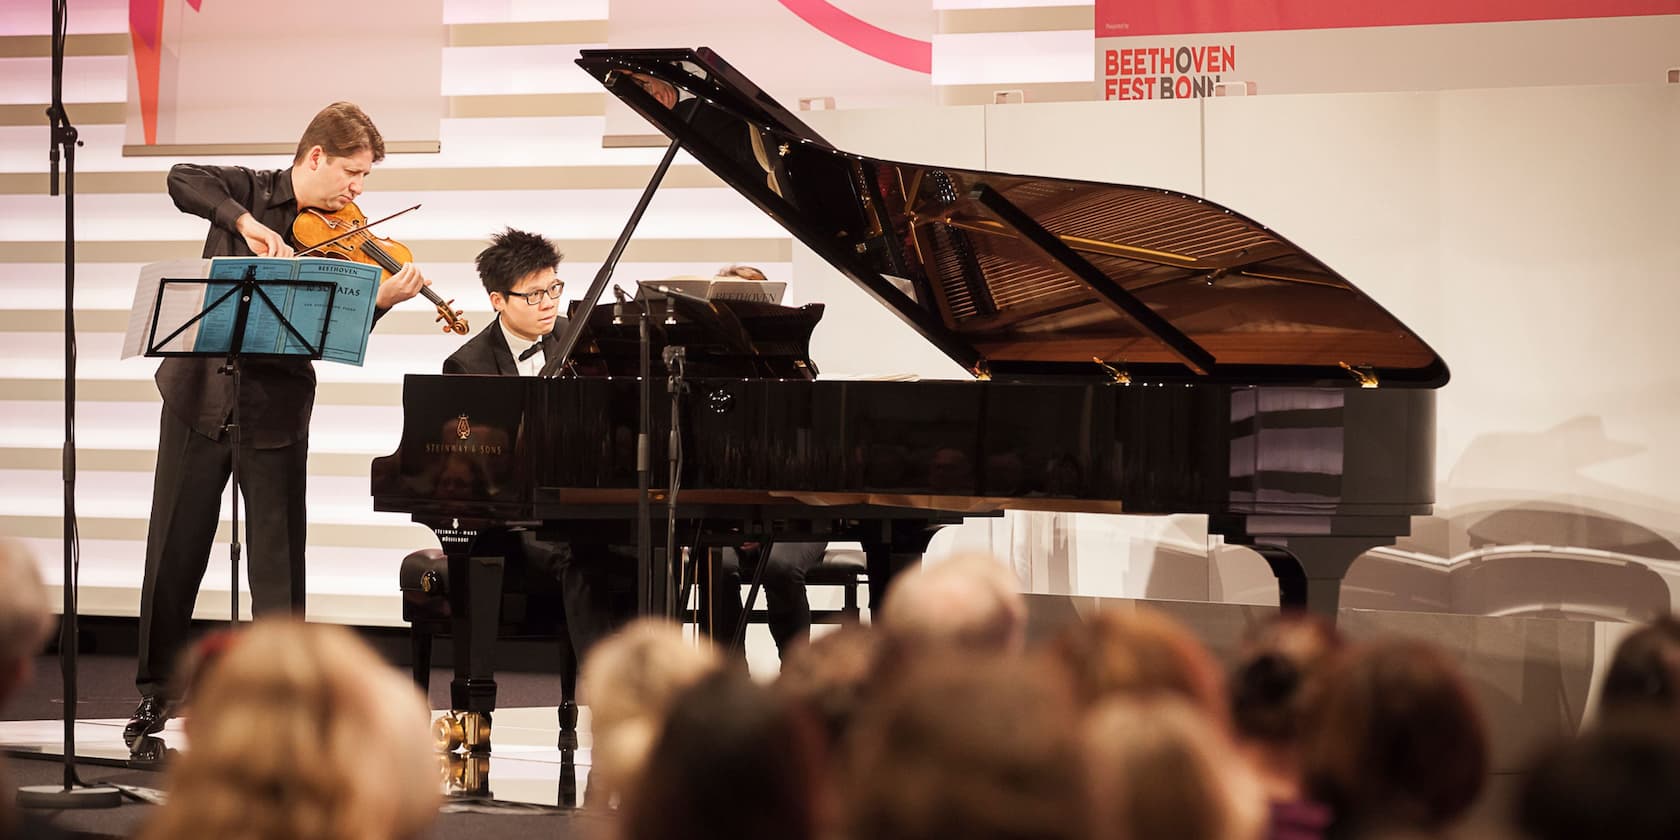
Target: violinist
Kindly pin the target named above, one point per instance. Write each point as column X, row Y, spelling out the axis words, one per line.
column 251, row 214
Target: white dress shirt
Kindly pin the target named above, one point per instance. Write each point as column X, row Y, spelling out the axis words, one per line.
column 530, row 366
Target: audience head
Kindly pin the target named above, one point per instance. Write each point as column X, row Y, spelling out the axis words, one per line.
column 742, row 272
column 26, row 618
column 629, row 681
column 1139, row 653
column 1272, row 667
column 733, row 761
column 969, row 602
column 829, row 676
column 1159, row 769
column 969, row 746
column 1396, row 742
column 1644, row 674
column 1617, row 780
column 300, row 730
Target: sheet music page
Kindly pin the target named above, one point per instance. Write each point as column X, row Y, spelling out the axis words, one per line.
column 177, row 309
column 305, row 308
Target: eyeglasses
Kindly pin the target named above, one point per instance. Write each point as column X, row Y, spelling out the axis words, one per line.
column 535, row 298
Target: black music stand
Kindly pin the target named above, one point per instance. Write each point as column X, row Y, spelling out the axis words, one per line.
column 237, row 302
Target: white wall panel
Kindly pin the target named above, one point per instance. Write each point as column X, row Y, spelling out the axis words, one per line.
column 1005, row 58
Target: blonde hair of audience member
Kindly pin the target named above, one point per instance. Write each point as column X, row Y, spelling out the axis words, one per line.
column 743, row 272
column 301, row 730
column 1158, row 769
column 967, row 745
column 628, row 682
column 969, row 601
column 1395, row 740
column 1140, row 653
column 26, row 619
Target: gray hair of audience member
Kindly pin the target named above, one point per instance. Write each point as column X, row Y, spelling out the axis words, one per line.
column 1615, row 780
column 968, row 601
column 1159, row 768
column 26, row 618
column 1395, row 740
column 744, row 272
column 628, row 682
column 967, row 745
column 1644, row 675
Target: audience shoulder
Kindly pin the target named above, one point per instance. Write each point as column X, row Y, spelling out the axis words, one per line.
column 26, row 617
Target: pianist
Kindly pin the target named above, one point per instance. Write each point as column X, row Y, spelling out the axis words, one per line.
column 597, row 585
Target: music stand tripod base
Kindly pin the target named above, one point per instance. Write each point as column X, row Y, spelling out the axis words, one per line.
column 60, row 798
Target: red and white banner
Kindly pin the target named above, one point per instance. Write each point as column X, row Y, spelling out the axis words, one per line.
column 845, row 54
column 249, row 74
column 1182, row 49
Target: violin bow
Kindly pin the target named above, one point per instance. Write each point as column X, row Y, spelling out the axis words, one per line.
column 319, row 245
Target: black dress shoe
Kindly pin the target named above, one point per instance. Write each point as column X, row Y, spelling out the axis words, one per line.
column 148, row 718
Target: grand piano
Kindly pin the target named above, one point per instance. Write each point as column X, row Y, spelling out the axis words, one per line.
column 1132, row 351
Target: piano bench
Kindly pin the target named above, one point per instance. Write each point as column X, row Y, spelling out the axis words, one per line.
column 424, row 579
column 843, row 567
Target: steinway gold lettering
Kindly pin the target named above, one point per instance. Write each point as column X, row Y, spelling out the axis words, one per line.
column 464, row 448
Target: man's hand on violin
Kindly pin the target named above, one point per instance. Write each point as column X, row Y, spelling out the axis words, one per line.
column 403, row 285
column 262, row 241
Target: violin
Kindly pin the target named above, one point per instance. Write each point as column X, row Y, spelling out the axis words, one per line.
column 342, row 235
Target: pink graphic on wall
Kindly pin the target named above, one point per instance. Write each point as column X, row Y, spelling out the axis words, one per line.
column 145, row 30
column 863, row 36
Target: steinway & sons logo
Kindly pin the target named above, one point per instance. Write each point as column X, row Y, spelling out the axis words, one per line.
column 463, row 432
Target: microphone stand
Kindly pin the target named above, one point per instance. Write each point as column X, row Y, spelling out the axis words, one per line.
column 568, row 342
column 654, row 590
column 74, row 793
column 675, row 359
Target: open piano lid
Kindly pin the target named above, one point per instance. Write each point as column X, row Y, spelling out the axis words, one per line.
column 1020, row 277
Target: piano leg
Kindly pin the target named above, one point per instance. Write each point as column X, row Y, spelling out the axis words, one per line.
column 1310, row 569
column 475, row 601
column 901, row 544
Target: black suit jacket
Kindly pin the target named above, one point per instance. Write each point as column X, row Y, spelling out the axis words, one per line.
column 488, row 353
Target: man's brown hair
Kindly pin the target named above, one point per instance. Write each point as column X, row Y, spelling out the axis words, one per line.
column 341, row 130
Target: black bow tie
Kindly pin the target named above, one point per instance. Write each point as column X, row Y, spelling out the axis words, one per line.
column 530, row 351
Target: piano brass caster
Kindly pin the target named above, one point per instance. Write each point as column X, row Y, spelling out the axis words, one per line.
column 465, row 775
column 448, row 733
column 462, row 729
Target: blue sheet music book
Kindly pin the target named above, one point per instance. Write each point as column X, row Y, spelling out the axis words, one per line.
column 305, row 307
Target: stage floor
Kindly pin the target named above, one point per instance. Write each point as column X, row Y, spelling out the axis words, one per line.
column 524, row 768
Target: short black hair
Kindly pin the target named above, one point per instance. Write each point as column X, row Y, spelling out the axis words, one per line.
column 513, row 254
